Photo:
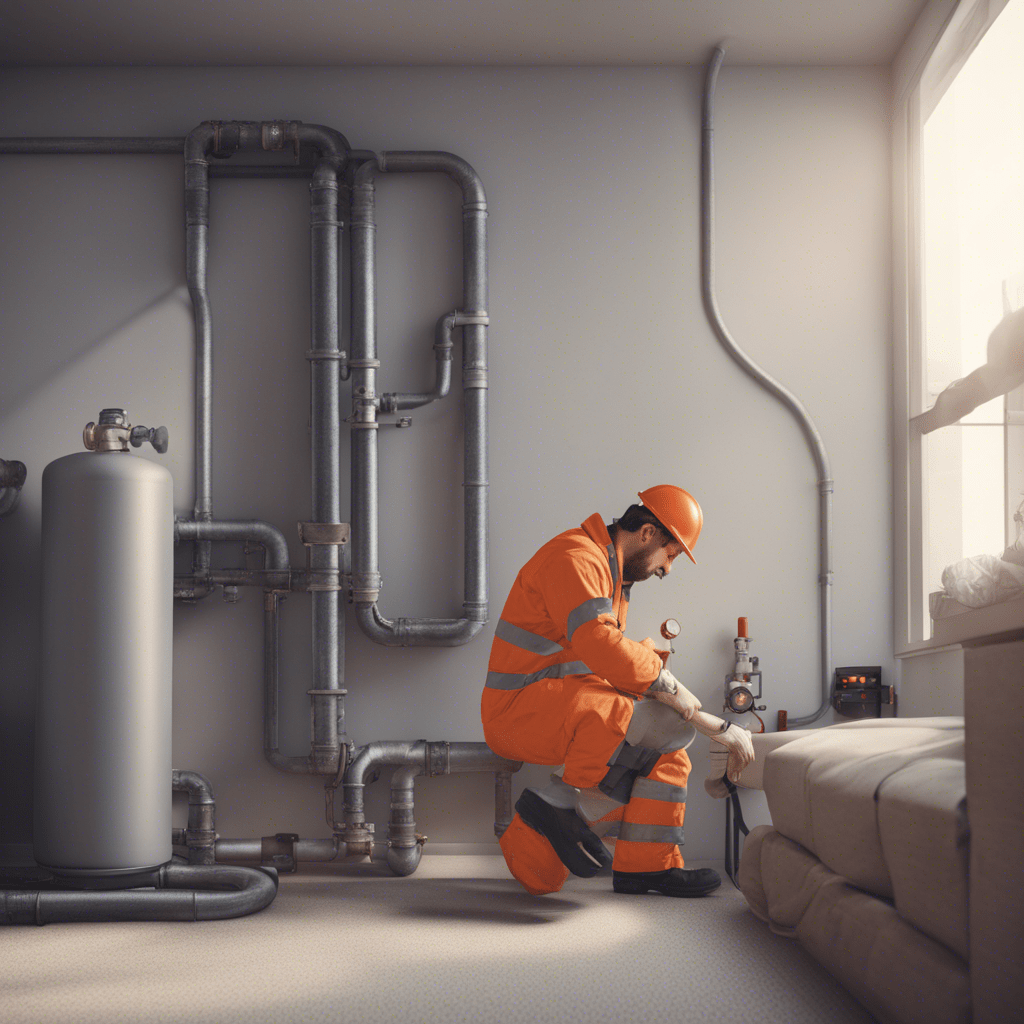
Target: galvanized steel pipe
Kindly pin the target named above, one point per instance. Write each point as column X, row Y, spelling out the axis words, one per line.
column 366, row 581
column 238, row 530
column 817, row 446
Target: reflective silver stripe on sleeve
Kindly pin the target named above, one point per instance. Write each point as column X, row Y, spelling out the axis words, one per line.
column 613, row 564
column 515, row 680
column 519, row 637
column 633, row 832
column 652, row 789
column 590, row 609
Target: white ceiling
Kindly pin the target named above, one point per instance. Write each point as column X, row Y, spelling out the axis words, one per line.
column 326, row 32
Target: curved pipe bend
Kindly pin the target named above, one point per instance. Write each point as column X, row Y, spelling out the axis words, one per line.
column 415, row 632
column 182, row 893
column 240, row 530
column 788, row 399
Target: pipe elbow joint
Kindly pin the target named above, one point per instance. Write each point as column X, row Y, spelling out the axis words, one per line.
column 416, row 632
column 403, row 860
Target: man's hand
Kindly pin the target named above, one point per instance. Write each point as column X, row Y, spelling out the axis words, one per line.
column 737, row 741
column 668, row 690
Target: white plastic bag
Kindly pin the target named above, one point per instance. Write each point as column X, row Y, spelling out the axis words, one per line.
column 983, row 580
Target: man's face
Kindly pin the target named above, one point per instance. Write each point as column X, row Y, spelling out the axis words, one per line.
column 654, row 558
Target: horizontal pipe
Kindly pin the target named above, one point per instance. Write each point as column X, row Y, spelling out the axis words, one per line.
column 320, row 851
column 100, row 146
column 237, row 530
column 404, row 632
column 181, row 893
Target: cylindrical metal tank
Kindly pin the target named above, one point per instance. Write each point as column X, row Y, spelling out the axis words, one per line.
column 103, row 724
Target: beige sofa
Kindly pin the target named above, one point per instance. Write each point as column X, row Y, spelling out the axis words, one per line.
column 895, row 852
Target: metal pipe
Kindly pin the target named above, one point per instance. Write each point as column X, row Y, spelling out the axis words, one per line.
column 178, row 896
column 502, row 802
column 817, row 446
column 325, row 453
column 404, row 847
column 321, row 851
column 271, row 691
column 141, row 145
column 238, row 530
column 197, row 228
column 201, row 832
column 436, row 758
column 415, row 632
column 397, row 401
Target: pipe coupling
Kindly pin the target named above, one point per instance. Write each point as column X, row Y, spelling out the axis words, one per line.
column 366, row 587
column 438, row 760
column 474, row 377
column 476, row 611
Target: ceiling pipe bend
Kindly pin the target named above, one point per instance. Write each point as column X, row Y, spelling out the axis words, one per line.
column 786, row 397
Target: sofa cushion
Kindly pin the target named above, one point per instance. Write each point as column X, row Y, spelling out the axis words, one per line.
column 897, row 972
column 821, row 788
column 922, row 824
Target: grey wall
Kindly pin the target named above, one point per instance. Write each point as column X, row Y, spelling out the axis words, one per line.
column 606, row 378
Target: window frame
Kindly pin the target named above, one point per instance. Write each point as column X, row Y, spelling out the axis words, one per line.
column 938, row 45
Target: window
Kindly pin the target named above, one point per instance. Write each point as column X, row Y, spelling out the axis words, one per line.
column 965, row 442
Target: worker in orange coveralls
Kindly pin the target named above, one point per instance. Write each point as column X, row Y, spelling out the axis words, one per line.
column 566, row 687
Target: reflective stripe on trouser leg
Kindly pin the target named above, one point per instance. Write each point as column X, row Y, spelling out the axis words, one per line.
column 652, row 823
column 532, row 859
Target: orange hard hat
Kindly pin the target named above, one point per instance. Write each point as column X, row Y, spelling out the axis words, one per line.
column 678, row 511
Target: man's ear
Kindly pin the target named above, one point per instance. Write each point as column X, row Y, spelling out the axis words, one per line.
column 647, row 531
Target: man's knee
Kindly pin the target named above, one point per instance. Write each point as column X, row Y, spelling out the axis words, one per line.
column 657, row 727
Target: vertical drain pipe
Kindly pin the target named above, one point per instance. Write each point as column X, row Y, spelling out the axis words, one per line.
column 325, row 452
column 790, row 401
column 418, row 632
column 197, row 227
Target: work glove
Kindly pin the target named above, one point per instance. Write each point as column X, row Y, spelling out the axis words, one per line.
column 740, row 747
column 668, row 690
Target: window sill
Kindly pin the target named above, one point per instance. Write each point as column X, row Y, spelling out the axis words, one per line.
column 974, row 626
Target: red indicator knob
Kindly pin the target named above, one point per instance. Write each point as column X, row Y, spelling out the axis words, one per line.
column 741, row 627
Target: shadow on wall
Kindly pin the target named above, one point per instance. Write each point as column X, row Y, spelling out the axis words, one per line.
column 143, row 364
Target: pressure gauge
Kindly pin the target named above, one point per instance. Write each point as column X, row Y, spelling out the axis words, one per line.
column 670, row 629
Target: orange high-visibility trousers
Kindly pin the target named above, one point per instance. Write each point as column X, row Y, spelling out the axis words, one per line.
column 650, row 828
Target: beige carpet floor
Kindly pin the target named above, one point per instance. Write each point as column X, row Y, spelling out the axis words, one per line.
column 457, row 941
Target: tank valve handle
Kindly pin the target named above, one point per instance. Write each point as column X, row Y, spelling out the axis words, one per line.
column 156, row 436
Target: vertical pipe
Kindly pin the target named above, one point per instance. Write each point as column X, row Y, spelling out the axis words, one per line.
column 502, row 802
column 197, row 221
column 789, row 400
column 363, row 363
column 325, row 453
column 404, row 849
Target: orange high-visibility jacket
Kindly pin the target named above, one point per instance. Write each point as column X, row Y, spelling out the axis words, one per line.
column 564, row 617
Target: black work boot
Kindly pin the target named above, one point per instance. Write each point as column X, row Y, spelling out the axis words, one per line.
column 578, row 848
column 674, row 882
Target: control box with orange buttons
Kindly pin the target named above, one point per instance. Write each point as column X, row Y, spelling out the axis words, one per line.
column 858, row 691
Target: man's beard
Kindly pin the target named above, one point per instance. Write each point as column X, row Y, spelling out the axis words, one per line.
column 637, row 567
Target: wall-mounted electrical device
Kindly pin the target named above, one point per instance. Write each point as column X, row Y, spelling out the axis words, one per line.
column 858, row 691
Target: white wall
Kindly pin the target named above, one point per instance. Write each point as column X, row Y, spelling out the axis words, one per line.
column 605, row 375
